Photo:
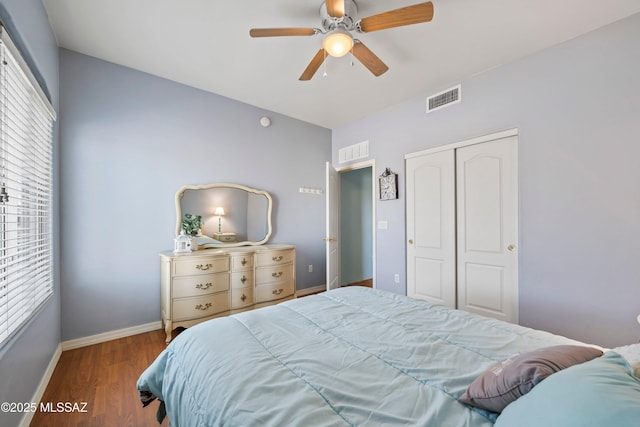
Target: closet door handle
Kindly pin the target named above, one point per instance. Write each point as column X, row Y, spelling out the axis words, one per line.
column 411, row 241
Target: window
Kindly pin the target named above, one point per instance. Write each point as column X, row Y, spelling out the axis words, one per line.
column 26, row 145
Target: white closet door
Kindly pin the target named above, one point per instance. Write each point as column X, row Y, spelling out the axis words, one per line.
column 487, row 208
column 431, row 252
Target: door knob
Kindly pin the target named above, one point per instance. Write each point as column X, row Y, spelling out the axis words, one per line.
column 511, row 248
column 411, row 241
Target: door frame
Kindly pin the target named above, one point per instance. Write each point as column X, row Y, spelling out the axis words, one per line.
column 332, row 227
column 351, row 167
column 471, row 141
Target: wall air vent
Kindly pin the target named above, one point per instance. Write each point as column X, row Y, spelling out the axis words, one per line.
column 353, row 152
column 444, row 99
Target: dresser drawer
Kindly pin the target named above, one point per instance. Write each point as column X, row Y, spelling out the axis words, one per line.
column 241, row 279
column 274, row 258
column 278, row 273
column 192, row 286
column 189, row 267
column 274, row 291
column 244, row 262
column 193, row 308
column 241, row 297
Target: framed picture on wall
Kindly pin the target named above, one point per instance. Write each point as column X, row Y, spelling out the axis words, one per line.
column 388, row 185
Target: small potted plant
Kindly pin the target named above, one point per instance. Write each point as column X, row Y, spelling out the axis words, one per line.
column 191, row 224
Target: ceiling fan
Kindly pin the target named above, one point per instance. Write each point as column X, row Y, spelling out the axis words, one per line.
column 339, row 20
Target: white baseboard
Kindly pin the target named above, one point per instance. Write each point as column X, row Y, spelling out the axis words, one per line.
column 309, row 291
column 108, row 336
column 44, row 382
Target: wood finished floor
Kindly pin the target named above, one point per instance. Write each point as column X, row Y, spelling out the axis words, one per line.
column 104, row 376
column 368, row 283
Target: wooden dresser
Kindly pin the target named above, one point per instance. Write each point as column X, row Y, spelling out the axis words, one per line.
column 211, row 283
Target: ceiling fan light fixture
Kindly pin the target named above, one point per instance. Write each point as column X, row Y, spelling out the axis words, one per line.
column 338, row 43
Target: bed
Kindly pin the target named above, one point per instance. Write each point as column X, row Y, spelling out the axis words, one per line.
column 352, row 356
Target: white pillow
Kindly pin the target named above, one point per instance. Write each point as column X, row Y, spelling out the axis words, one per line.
column 631, row 353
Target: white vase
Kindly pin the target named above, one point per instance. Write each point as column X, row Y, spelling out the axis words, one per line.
column 194, row 242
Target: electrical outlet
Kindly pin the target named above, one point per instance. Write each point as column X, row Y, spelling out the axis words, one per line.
column 396, row 278
column 310, row 268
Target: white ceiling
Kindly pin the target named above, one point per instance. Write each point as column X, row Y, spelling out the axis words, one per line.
column 206, row 44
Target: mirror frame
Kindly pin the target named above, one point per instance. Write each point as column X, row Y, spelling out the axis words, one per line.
column 180, row 195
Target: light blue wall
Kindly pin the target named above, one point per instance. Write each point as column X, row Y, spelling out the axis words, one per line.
column 577, row 108
column 24, row 359
column 129, row 141
column 356, row 228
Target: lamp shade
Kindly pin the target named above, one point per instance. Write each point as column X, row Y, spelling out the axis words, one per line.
column 338, row 43
column 219, row 211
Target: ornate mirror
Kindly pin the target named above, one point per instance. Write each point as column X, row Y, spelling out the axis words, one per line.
column 231, row 214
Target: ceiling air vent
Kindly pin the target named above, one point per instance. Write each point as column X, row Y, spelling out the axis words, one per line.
column 444, row 99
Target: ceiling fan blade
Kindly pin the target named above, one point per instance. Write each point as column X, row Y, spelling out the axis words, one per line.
column 277, row 32
column 335, row 8
column 368, row 58
column 313, row 66
column 409, row 15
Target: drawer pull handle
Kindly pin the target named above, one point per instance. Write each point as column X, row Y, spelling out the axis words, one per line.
column 203, row 307
column 204, row 286
column 243, row 278
column 277, row 291
column 204, row 267
column 278, row 274
column 277, row 258
column 243, row 297
column 243, row 262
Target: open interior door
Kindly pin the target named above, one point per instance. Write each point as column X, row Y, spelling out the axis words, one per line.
column 332, row 228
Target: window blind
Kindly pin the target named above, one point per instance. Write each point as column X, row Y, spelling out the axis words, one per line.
column 26, row 175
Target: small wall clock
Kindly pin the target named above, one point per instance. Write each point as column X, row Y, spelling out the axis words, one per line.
column 388, row 185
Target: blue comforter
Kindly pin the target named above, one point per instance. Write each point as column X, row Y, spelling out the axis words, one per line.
column 352, row 356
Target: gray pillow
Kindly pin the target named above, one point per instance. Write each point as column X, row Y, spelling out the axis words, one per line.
column 506, row 381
